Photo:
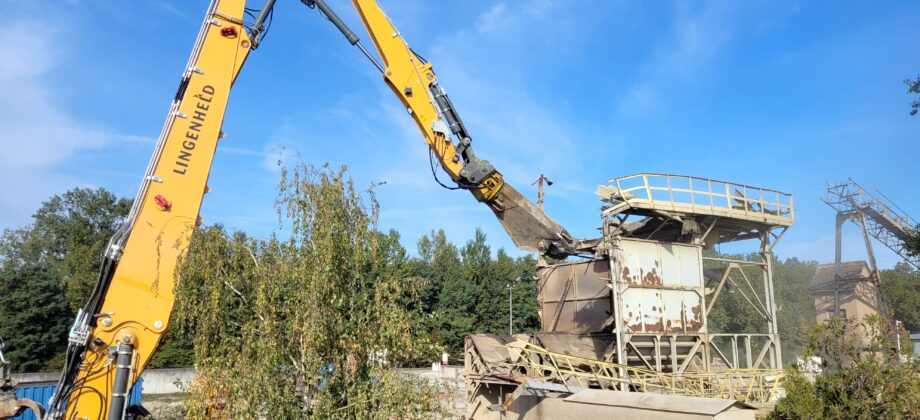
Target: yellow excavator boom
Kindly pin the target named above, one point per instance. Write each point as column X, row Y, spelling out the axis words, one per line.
column 119, row 328
column 413, row 81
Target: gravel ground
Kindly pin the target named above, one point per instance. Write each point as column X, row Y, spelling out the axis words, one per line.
column 165, row 406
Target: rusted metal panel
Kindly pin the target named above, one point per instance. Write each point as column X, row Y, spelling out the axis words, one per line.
column 660, row 286
column 575, row 297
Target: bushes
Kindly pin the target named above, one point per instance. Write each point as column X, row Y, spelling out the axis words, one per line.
column 864, row 378
column 308, row 325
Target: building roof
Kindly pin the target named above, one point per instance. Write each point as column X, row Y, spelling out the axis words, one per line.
column 850, row 270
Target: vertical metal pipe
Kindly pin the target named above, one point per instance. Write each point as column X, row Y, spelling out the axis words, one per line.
column 873, row 268
column 124, row 356
column 258, row 26
column 510, row 310
column 766, row 254
column 618, row 320
column 264, row 13
column 841, row 217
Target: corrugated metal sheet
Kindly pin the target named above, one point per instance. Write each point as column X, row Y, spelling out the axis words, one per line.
column 41, row 392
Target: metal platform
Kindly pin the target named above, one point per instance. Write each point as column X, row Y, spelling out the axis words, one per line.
column 878, row 216
column 501, row 361
column 635, row 317
column 681, row 194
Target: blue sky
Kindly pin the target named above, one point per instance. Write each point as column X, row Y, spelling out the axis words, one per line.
column 783, row 95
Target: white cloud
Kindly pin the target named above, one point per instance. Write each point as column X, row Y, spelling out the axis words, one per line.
column 37, row 135
column 641, row 99
column 521, row 135
column 36, row 132
column 491, row 19
column 698, row 36
column 698, row 33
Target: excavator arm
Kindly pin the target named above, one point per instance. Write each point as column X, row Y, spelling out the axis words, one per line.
column 119, row 328
column 413, row 81
column 117, row 331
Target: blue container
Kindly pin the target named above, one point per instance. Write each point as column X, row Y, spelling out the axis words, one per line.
column 40, row 392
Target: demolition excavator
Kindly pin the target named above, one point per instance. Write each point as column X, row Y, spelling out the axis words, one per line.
column 119, row 328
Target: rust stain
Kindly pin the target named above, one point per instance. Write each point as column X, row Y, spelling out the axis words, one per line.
column 678, row 325
column 653, row 327
column 626, row 277
column 697, row 322
column 651, row 278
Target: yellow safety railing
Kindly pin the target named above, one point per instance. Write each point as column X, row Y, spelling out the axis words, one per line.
column 747, row 385
column 681, row 193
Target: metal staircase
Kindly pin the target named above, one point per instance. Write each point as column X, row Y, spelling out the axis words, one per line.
column 884, row 220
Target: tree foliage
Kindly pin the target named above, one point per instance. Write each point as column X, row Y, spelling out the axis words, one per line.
column 49, row 267
column 864, row 378
column 34, row 315
column 913, row 87
column 56, row 259
column 69, row 233
column 795, row 308
column 467, row 290
column 901, row 286
column 912, row 242
column 308, row 325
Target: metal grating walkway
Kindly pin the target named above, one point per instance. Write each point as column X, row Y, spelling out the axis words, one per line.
column 689, row 194
column 885, row 221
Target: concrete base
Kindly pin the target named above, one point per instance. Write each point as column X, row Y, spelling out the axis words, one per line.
column 596, row 403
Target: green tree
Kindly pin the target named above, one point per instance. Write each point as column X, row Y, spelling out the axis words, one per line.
column 311, row 326
column 438, row 261
column 69, row 233
column 34, row 315
column 901, row 286
column 859, row 382
column 488, row 285
column 795, row 306
column 56, row 258
column 492, row 308
column 912, row 242
column 176, row 350
column 526, row 306
column 450, row 298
